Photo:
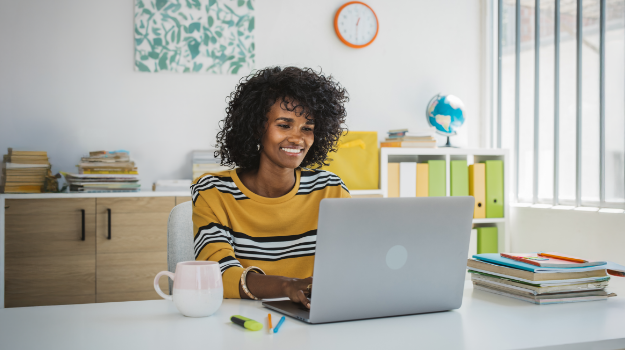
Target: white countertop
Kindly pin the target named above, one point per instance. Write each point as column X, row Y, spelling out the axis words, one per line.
column 485, row 321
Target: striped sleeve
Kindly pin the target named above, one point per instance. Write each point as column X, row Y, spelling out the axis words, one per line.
column 212, row 241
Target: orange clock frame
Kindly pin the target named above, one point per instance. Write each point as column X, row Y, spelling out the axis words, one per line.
column 338, row 33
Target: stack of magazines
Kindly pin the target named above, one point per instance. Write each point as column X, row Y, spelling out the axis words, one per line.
column 24, row 171
column 206, row 162
column 105, row 171
column 540, row 279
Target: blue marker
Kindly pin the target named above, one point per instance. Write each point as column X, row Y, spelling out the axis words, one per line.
column 275, row 330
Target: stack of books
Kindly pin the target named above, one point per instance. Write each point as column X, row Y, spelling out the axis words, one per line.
column 521, row 277
column 24, row 171
column 105, row 171
column 206, row 162
column 404, row 138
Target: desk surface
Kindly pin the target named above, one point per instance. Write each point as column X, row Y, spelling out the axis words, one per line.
column 485, row 321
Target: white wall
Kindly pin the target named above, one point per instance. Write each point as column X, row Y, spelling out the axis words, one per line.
column 67, row 83
column 592, row 235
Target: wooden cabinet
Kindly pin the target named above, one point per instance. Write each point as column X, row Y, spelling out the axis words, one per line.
column 131, row 247
column 182, row 199
column 47, row 262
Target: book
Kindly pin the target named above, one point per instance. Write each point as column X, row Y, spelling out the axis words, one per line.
column 19, row 166
column 494, row 188
column 459, row 178
column 401, row 137
column 393, row 180
column 514, row 273
column 537, row 289
column 536, row 260
column 12, row 152
column 545, row 283
column 437, row 178
column 397, row 130
column 487, row 240
column 22, row 188
column 499, row 260
column 559, row 298
column 407, row 179
column 422, row 179
column 477, row 182
column 409, row 144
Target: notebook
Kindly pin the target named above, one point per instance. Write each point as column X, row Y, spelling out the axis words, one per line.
column 542, row 261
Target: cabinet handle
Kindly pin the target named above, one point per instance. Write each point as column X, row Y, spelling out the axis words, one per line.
column 109, row 211
column 83, row 224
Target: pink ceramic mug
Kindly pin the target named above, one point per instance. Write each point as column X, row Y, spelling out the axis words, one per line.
column 198, row 289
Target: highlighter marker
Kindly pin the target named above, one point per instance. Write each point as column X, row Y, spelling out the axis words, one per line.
column 246, row 323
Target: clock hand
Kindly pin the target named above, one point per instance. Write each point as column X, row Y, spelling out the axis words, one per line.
column 358, row 21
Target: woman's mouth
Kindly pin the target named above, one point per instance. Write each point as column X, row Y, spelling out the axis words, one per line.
column 292, row 151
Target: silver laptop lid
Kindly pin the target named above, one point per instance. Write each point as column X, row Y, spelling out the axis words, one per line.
column 378, row 257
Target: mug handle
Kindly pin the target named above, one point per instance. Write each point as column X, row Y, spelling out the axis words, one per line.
column 157, row 288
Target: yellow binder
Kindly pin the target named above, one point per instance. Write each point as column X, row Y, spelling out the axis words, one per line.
column 477, row 189
column 422, row 179
column 393, row 180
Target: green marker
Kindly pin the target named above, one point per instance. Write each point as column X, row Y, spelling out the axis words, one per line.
column 246, row 323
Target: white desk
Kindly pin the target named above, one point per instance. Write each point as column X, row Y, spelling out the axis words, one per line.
column 485, row 321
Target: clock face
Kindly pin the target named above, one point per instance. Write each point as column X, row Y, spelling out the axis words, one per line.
column 356, row 24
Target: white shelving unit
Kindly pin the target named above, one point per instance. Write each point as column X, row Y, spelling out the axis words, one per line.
column 422, row 155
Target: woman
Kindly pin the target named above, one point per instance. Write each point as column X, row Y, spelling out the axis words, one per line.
column 259, row 221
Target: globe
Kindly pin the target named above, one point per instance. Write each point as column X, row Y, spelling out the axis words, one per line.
column 446, row 114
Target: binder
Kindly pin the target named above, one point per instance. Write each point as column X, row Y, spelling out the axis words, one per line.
column 407, row 179
column 487, row 240
column 422, row 180
column 494, row 188
column 459, row 178
column 393, row 180
column 436, row 178
column 477, row 181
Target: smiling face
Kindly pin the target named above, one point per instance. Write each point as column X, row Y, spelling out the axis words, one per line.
column 288, row 136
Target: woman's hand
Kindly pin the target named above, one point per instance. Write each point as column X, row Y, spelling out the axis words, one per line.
column 297, row 290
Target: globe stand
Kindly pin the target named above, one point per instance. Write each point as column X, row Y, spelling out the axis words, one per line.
column 448, row 144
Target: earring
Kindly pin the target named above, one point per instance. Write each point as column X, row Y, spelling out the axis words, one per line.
column 258, row 147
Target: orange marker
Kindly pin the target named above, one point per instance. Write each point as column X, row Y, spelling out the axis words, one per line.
column 269, row 319
column 562, row 258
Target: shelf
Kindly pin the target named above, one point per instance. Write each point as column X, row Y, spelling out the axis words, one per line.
column 488, row 220
column 443, row 151
column 365, row 192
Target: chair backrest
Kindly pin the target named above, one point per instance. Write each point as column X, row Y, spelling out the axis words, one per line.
column 179, row 237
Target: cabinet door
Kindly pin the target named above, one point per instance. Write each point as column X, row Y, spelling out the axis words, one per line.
column 180, row 200
column 47, row 262
column 136, row 250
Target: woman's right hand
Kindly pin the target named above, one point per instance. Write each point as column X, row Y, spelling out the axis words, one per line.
column 297, row 289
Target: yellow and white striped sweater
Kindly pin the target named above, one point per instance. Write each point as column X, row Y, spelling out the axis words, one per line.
column 239, row 228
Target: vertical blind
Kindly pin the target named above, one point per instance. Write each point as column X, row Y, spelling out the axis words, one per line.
column 561, row 99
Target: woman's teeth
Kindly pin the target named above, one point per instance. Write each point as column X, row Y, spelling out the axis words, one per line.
column 291, row 150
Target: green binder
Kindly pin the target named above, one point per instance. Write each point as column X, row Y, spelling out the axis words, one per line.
column 436, row 178
column 487, row 240
column 459, row 174
column 494, row 188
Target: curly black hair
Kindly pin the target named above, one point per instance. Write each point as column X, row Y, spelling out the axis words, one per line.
column 308, row 92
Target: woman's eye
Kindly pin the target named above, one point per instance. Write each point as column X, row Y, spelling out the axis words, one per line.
column 283, row 126
column 308, row 129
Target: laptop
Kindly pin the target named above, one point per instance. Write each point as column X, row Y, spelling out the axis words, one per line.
column 380, row 257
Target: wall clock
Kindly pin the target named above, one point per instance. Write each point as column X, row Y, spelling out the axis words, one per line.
column 356, row 24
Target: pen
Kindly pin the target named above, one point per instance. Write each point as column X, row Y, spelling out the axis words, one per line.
column 269, row 319
column 562, row 257
column 275, row 330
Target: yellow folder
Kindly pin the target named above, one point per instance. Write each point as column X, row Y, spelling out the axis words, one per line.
column 422, row 180
column 477, row 189
column 393, row 180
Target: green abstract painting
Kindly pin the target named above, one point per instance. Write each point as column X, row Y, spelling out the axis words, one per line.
column 215, row 36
